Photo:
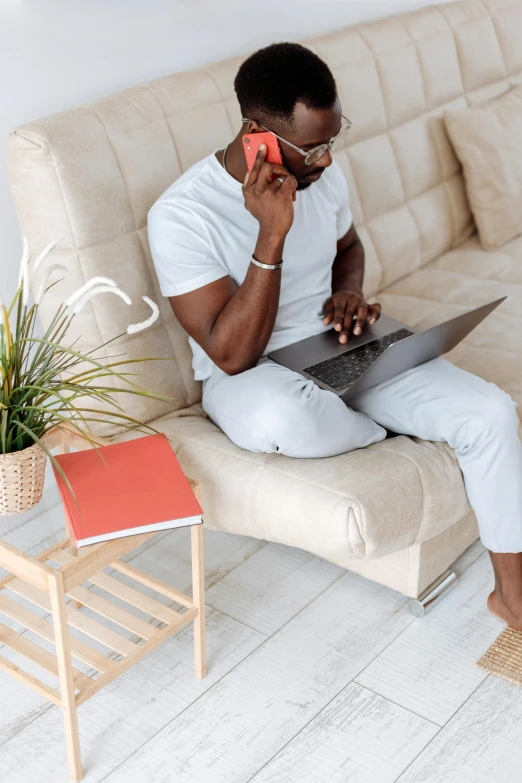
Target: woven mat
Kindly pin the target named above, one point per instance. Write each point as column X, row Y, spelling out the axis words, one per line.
column 504, row 657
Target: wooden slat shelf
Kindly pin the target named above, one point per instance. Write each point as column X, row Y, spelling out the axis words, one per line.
column 21, row 644
column 123, row 591
column 46, row 580
column 154, row 584
column 114, row 641
column 172, row 620
column 43, row 628
column 28, row 679
column 141, row 652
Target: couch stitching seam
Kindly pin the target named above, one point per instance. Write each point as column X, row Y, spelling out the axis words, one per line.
column 428, row 268
column 111, row 146
column 166, row 119
column 495, row 30
column 355, row 182
column 135, row 229
column 223, row 101
column 74, row 241
column 435, row 145
column 405, row 202
column 158, row 102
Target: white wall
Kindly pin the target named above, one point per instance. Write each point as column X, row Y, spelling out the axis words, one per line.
column 55, row 54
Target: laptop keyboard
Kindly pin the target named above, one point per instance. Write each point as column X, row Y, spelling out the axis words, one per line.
column 341, row 371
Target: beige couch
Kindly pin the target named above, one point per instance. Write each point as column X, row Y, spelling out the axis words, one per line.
column 397, row 511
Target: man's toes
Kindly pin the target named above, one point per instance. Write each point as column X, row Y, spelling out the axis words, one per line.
column 497, row 606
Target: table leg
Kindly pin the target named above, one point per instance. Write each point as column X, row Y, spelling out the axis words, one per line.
column 74, row 552
column 63, row 655
column 72, row 549
column 198, row 597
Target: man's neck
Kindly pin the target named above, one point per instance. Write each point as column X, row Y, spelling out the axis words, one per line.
column 235, row 159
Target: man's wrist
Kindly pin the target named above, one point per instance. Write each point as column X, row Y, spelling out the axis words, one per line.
column 269, row 248
column 352, row 288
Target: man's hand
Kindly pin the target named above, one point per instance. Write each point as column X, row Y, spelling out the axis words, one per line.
column 343, row 306
column 269, row 200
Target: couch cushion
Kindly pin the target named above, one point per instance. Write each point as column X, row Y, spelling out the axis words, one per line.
column 366, row 503
column 488, row 142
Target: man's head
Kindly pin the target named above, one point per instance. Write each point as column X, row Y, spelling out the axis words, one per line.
column 289, row 90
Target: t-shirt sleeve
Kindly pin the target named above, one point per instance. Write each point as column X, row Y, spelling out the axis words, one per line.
column 181, row 253
column 344, row 213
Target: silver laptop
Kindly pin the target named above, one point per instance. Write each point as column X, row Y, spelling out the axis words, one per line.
column 380, row 352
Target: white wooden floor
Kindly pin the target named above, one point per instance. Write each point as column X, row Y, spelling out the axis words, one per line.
column 315, row 676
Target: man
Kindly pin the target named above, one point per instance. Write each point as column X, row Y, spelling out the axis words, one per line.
column 218, row 236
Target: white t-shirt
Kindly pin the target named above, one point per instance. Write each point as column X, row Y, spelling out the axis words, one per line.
column 199, row 231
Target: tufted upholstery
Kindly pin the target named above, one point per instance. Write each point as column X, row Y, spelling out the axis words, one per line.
column 459, row 280
column 92, row 173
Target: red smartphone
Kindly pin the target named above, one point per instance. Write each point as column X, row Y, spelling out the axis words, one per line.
column 252, row 142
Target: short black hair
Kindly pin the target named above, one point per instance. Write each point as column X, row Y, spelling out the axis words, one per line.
column 271, row 81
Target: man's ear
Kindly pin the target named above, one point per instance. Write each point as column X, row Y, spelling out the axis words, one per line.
column 254, row 127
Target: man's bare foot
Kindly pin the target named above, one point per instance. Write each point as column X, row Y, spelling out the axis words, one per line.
column 497, row 606
column 506, row 599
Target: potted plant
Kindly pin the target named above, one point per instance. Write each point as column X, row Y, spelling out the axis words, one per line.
column 45, row 383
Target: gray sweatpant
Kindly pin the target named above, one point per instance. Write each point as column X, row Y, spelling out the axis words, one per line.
column 270, row 408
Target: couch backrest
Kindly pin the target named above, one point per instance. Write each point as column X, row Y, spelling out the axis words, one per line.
column 91, row 174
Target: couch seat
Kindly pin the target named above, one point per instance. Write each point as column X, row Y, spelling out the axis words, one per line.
column 366, row 503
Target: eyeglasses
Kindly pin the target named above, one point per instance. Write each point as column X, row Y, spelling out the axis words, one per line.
column 313, row 155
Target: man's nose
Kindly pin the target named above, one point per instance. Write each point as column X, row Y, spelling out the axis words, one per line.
column 325, row 160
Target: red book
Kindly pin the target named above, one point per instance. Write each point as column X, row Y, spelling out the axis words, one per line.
column 141, row 488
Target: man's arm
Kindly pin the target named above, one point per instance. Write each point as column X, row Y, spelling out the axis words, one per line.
column 233, row 324
column 347, row 300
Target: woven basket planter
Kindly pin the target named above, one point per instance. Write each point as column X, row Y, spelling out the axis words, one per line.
column 22, row 475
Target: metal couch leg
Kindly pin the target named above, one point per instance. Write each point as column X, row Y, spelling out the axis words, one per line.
column 419, row 606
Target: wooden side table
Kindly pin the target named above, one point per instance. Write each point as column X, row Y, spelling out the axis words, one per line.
column 47, row 587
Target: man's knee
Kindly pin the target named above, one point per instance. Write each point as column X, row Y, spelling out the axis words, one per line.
column 500, row 410
column 286, row 420
column 493, row 417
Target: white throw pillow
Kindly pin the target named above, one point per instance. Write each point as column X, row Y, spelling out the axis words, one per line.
column 488, row 142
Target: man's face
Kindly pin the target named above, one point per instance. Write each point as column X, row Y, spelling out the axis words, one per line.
column 309, row 128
